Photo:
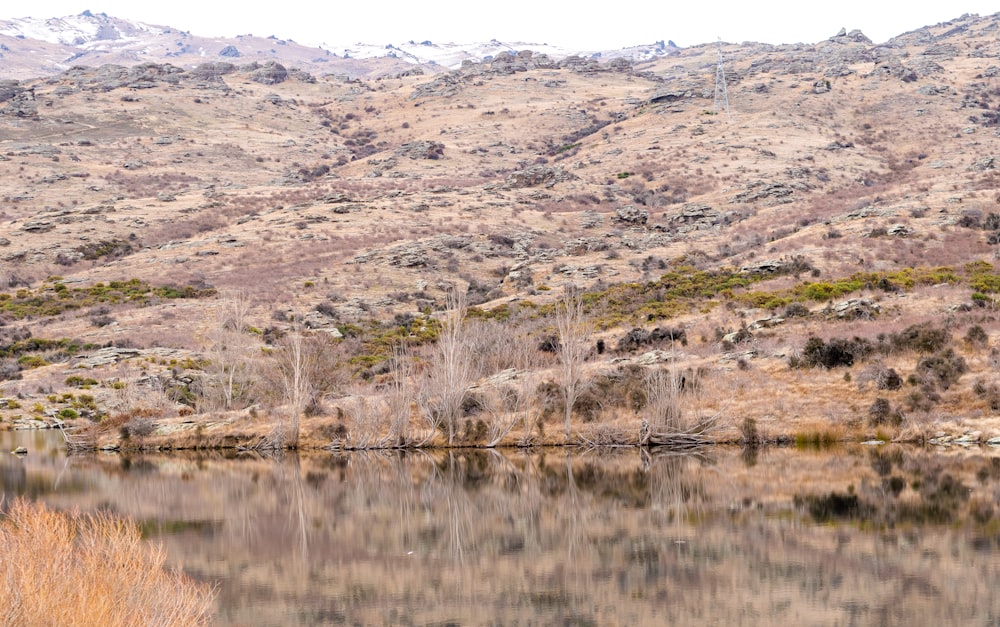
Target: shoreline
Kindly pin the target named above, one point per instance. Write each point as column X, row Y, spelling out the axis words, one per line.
column 188, row 435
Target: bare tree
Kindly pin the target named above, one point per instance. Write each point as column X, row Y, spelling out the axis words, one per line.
column 574, row 331
column 446, row 385
column 665, row 422
column 295, row 365
column 508, row 354
column 367, row 417
column 399, row 394
column 229, row 349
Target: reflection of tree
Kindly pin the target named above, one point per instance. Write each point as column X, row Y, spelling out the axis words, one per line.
column 446, row 486
column 292, row 500
column 676, row 494
column 574, row 509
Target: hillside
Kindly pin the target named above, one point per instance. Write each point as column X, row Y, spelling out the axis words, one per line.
column 30, row 48
column 851, row 192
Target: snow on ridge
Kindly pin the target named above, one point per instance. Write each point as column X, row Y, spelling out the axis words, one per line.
column 450, row 55
column 92, row 32
column 77, row 30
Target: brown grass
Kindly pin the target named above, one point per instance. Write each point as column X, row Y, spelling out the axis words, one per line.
column 89, row 569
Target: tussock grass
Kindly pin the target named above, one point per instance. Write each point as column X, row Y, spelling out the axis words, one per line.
column 89, row 569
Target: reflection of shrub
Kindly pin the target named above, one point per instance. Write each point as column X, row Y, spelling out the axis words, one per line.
column 835, row 506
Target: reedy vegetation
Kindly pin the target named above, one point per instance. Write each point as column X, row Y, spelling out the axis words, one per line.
column 90, row 569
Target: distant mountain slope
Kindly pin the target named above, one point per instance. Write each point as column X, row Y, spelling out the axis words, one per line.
column 33, row 47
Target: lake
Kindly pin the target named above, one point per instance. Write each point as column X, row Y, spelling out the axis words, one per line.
column 850, row 535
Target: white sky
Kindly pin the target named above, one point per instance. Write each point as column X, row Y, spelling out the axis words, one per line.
column 607, row 25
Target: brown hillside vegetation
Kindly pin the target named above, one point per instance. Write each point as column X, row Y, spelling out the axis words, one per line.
column 184, row 251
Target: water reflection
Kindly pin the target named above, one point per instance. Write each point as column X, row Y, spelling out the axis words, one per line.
column 558, row 536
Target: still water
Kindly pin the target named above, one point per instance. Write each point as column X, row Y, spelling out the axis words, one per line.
column 855, row 535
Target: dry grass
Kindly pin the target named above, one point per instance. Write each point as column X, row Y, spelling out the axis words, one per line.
column 93, row 569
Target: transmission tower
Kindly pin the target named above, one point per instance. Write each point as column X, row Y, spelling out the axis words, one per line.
column 721, row 93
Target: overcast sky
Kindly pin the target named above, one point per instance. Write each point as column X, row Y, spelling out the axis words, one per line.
column 608, row 25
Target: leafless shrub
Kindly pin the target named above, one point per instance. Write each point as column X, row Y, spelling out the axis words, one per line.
column 574, row 330
column 446, row 383
column 367, row 422
column 884, row 377
column 229, row 351
column 399, row 393
column 665, row 422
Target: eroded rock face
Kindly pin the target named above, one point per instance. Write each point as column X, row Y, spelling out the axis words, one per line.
column 271, row 73
column 421, row 150
column 538, row 175
column 213, row 71
column 855, row 309
column 9, row 89
column 630, row 214
column 20, row 102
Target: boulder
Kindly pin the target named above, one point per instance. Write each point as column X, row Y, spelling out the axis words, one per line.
column 421, row 150
column 630, row 214
column 271, row 73
column 855, row 309
column 537, row 175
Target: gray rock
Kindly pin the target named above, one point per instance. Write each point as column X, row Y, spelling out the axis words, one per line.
column 38, row 226
column 538, row 175
column 630, row 214
column 769, row 266
column 761, row 190
column 421, row 150
column 856, row 309
column 271, row 73
column 821, row 87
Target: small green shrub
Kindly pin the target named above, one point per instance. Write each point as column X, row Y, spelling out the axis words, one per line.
column 76, row 381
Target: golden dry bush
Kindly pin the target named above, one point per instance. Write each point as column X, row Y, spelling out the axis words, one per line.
column 89, row 569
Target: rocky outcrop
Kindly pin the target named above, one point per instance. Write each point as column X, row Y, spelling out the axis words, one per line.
column 632, row 215
column 421, row 150
column 20, row 102
column 271, row 73
column 537, row 175
column 771, row 193
column 212, row 72
column 855, row 309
